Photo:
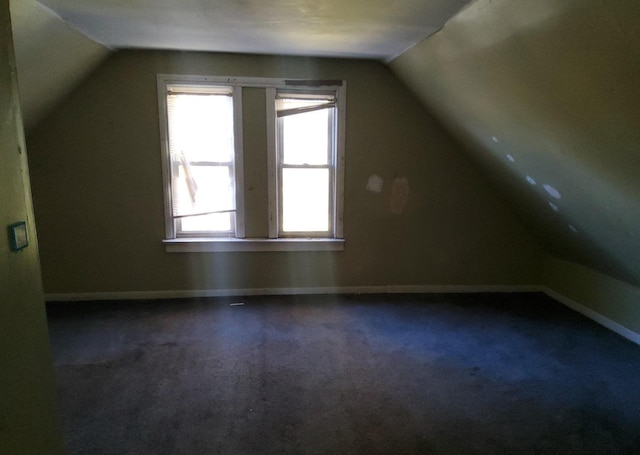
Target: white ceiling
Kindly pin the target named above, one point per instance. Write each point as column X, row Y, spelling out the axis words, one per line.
column 378, row 29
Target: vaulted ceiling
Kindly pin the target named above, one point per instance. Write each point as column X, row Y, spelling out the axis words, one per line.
column 545, row 95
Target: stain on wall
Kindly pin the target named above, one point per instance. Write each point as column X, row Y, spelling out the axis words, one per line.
column 399, row 195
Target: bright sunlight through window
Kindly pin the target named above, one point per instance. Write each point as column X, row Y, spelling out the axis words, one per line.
column 214, row 128
column 306, row 151
column 201, row 143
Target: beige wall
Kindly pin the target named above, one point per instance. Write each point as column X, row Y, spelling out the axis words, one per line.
column 548, row 90
column 596, row 292
column 97, row 185
column 28, row 420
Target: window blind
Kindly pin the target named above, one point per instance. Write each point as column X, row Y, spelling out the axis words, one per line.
column 201, row 146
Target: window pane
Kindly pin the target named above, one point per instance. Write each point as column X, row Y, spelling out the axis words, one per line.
column 305, row 200
column 201, row 135
column 221, row 222
column 305, row 137
column 203, row 189
column 201, row 127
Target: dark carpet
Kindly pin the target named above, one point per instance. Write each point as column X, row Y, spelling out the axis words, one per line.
column 366, row 374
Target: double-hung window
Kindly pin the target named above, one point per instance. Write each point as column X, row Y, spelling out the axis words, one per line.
column 306, row 146
column 202, row 132
column 200, row 160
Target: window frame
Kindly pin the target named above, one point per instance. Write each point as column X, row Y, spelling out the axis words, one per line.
column 336, row 203
column 281, row 165
column 238, row 243
column 172, row 223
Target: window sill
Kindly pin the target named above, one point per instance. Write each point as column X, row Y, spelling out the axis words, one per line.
column 215, row 245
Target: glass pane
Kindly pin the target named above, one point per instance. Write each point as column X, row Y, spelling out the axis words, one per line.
column 201, row 189
column 201, row 134
column 305, row 200
column 201, row 127
column 305, row 137
column 220, row 222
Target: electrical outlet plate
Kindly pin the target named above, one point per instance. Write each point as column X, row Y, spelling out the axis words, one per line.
column 18, row 236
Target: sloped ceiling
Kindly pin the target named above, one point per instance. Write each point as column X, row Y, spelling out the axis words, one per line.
column 546, row 94
column 59, row 42
column 51, row 58
column 377, row 29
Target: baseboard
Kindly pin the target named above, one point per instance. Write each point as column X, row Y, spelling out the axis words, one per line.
column 593, row 315
column 457, row 289
column 390, row 289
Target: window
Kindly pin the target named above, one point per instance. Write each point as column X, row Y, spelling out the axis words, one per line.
column 201, row 144
column 202, row 139
column 200, row 160
column 305, row 157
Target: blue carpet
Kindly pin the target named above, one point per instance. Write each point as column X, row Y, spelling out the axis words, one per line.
column 367, row 374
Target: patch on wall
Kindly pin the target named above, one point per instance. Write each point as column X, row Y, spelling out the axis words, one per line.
column 375, row 183
column 399, row 195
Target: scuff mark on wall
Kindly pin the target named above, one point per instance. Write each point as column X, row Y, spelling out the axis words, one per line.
column 399, row 195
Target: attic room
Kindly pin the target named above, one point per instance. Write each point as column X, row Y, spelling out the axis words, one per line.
column 471, row 266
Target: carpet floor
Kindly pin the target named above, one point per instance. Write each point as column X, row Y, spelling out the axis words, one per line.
column 365, row 374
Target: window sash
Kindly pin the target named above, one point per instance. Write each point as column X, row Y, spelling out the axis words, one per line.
column 321, row 233
column 180, row 219
column 179, row 215
column 316, row 102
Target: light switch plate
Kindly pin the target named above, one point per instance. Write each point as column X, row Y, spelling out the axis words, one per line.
column 18, row 236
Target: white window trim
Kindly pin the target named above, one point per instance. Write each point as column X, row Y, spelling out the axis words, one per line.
column 239, row 243
column 272, row 163
column 239, row 162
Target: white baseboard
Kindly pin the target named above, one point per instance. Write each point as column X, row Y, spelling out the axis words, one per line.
column 593, row 315
column 389, row 289
column 457, row 289
column 182, row 294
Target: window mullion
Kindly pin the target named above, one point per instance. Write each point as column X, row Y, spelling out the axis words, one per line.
column 238, row 164
column 273, row 147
